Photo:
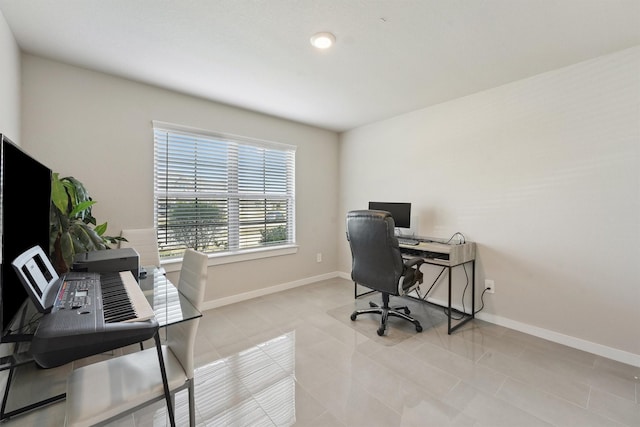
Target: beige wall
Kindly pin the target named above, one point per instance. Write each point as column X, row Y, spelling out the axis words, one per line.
column 9, row 83
column 544, row 174
column 98, row 128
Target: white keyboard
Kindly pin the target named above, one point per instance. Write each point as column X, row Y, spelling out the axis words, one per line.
column 408, row 242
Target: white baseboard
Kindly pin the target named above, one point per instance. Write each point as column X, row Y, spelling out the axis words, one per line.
column 266, row 291
column 343, row 275
column 569, row 341
column 580, row 344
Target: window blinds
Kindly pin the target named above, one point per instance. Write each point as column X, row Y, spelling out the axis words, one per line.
column 216, row 193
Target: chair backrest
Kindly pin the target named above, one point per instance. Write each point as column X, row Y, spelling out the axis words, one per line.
column 145, row 242
column 376, row 258
column 192, row 283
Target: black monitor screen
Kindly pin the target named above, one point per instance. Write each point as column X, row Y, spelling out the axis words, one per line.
column 401, row 212
column 25, row 200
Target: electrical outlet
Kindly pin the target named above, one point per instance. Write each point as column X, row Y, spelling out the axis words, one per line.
column 319, row 257
column 490, row 286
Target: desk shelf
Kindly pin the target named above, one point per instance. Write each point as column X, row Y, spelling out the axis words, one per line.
column 447, row 255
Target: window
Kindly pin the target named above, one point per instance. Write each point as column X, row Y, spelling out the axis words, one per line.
column 220, row 193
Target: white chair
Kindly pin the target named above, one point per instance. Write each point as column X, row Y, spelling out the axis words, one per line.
column 145, row 242
column 107, row 390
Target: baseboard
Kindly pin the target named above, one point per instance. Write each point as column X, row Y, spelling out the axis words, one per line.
column 343, row 275
column 580, row 344
column 577, row 343
column 266, row 291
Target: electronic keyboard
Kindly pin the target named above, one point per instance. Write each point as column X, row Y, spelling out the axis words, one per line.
column 84, row 313
column 91, row 316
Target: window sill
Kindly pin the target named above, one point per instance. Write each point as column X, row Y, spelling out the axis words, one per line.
column 171, row 265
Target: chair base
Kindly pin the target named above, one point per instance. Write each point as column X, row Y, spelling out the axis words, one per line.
column 385, row 311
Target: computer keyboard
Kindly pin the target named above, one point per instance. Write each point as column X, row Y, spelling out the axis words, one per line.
column 405, row 241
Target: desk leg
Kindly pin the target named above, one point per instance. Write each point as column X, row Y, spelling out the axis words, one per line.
column 6, row 394
column 167, row 394
column 5, row 398
column 449, row 298
column 465, row 317
column 473, row 289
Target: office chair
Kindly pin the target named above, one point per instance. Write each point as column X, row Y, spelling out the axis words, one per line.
column 107, row 390
column 145, row 242
column 378, row 264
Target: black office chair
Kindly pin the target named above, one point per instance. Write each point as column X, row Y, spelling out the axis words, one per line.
column 378, row 264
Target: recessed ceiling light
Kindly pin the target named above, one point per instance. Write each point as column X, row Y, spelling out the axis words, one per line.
column 323, row 40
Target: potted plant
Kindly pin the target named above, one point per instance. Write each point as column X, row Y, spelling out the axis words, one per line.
column 72, row 227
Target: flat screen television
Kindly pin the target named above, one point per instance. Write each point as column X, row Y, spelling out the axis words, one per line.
column 25, row 201
column 401, row 212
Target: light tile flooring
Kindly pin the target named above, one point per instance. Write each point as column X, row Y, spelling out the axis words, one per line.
column 295, row 358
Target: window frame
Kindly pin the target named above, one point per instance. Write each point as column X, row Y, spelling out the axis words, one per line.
column 233, row 252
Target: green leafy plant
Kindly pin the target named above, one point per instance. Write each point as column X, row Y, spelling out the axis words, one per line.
column 72, row 227
column 196, row 224
column 270, row 235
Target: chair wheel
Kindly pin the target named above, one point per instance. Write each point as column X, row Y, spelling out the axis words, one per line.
column 381, row 331
column 407, row 311
column 418, row 328
column 372, row 304
column 353, row 316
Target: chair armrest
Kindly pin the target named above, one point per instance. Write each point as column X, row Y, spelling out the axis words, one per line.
column 413, row 262
column 412, row 276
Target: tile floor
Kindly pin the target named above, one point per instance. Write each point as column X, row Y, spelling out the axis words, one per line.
column 295, row 358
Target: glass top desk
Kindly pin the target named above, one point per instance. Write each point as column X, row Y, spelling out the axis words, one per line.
column 169, row 305
column 26, row 383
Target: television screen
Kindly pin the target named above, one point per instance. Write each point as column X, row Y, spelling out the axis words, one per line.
column 25, row 201
column 401, row 212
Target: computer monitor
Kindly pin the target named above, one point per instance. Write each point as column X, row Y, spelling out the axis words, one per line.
column 401, row 212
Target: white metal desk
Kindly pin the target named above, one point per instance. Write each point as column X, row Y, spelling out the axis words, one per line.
column 447, row 256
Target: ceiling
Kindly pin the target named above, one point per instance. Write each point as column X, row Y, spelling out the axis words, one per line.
column 390, row 56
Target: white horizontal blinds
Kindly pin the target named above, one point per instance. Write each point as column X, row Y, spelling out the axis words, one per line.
column 264, row 200
column 191, row 183
column 218, row 193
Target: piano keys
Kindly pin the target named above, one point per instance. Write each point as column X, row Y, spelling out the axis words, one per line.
column 128, row 306
column 93, row 316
